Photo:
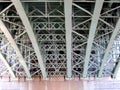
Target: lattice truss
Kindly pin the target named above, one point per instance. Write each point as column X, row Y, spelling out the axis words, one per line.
column 50, row 32
column 9, row 54
column 81, row 25
column 47, row 20
column 23, row 43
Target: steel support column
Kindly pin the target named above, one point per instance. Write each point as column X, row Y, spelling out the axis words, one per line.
column 95, row 18
column 28, row 27
column 115, row 32
column 68, row 27
column 15, row 47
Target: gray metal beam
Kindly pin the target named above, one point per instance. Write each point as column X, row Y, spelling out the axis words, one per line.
column 7, row 65
column 82, row 9
column 28, row 27
column 15, row 47
column 34, row 0
column 6, row 8
column 68, row 26
column 88, row 1
column 95, row 18
column 42, row 0
column 115, row 32
column 116, row 69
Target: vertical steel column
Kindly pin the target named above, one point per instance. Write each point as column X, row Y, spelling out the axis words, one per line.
column 68, row 27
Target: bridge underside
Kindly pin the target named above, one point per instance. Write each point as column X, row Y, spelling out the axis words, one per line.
column 80, row 38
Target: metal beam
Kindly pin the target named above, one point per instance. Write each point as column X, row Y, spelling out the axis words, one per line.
column 15, row 47
column 7, row 65
column 24, row 18
column 68, row 26
column 82, row 9
column 95, row 18
column 106, row 23
column 6, row 9
column 110, row 10
column 42, row 0
column 116, row 69
column 114, row 34
column 34, row 0
column 88, row 1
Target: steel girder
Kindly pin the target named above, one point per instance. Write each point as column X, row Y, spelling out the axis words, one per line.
column 11, row 58
column 49, row 24
column 116, row 68
column 116, row 58
column 68, row 26
column 14, row 45
column 90, row 1
column 31, row 35
column 51, row 37
column 114, row 34
column 94, row 23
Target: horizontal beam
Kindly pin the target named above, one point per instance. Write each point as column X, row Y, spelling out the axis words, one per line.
column 113, row 1
column 28, row 27
column 15, row 47
column 34, row 0
column 114, row 34
column 41, row 0
column 95, row 18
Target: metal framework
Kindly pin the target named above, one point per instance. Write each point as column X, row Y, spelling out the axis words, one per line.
column 31, row 35
column 114, row 34
column 76, row 38
column 7, row 65
column 94, row 23
column 14, row 45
